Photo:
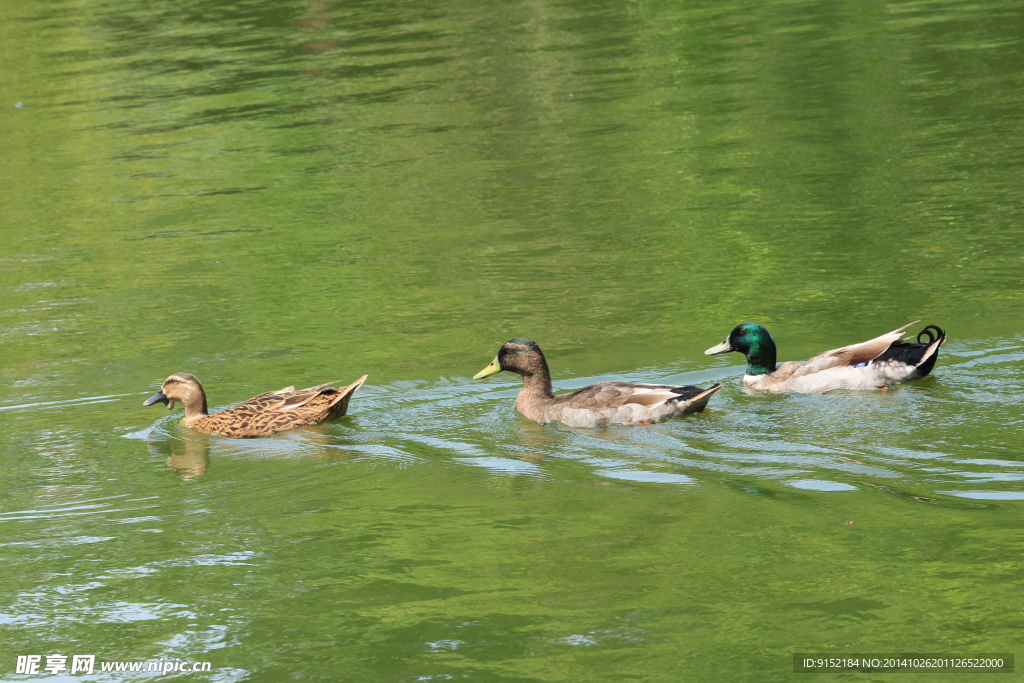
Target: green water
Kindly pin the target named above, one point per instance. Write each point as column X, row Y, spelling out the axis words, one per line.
column 267, row 194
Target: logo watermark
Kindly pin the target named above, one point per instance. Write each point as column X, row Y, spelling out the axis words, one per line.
column 87, row 664
column 903, row 662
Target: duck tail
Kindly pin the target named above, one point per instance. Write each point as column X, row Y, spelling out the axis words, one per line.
column 339, row 406
column 920, row 354
column 700, row 400
column 936, row 337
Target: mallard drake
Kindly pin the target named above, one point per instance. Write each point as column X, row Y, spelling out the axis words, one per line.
column 263, row 415
column 875, row 364
column 596, row 405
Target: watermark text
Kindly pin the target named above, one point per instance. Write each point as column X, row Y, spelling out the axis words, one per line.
column 87, row 664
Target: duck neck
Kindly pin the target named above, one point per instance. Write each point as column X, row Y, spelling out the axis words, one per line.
column 537, row 382
column 195, row 405
column 761, row 356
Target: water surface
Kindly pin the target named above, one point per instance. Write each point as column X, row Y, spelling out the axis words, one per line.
column 274, row 195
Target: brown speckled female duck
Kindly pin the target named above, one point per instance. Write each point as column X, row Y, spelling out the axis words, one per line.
column 263, row 415
column 596, row 405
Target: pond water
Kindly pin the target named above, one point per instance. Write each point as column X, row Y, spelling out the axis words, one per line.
column 267, row 194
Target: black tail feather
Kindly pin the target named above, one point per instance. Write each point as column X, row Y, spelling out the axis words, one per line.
column 933, row 331
column 687, row 392
column 911, row 353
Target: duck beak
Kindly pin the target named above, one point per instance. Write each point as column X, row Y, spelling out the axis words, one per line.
column 724, row 347
column 158, row 397
column 494, row 367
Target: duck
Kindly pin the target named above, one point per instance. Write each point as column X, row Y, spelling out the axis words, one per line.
column 597, row 405
column 875, row 364
column 269, row 413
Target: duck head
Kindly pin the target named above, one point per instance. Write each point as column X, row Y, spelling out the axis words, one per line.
column 754, row 342
column 181, row 386
column 521, row 356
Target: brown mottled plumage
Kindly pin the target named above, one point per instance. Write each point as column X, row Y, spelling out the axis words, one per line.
column 596, row 405
column 263, row 415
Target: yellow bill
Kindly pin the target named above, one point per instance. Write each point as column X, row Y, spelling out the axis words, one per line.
column 724, row 347
column 494, row 367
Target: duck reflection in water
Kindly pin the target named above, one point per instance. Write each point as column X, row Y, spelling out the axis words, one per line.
column 188, row 457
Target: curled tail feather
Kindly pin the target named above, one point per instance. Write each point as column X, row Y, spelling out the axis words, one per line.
column 920, row 354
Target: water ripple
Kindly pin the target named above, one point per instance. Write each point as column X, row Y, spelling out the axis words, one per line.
column 824, row 443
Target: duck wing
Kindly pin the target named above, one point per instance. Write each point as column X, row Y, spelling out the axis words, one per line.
column 854, row 354
column 616, row 394
column 287, row 398
column 275, row 411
